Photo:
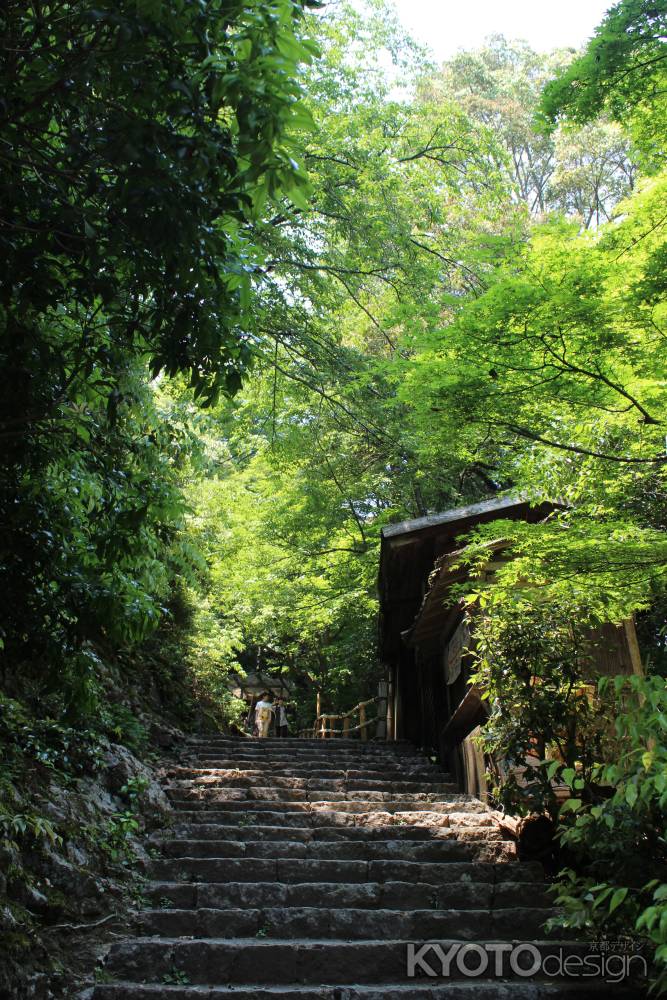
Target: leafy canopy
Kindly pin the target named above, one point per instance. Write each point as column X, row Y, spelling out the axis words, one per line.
column 622, row 72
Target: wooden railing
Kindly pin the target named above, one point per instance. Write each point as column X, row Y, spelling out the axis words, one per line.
column 325, row 725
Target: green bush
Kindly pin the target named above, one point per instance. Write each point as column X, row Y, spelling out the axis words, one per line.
column 47, row 742
column 532, row 663
column 123, row 727
column 615, row 827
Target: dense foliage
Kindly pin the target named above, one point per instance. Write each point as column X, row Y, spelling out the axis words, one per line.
column 623, row 72
column 140, row 145
column 617, row 821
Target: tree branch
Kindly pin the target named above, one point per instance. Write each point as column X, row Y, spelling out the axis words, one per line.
column 531, row 436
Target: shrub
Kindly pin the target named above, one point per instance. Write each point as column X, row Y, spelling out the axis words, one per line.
column 616, row 828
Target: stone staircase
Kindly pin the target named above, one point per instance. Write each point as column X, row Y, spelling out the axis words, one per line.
column 304, row 868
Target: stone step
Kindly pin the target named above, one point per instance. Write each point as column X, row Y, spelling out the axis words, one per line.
column 306, row 834
column 323, row 756
column 444, row 849
column 453, row 990
column 296, row 778
column 323, row 786
column 359, row 807
column 212, row 792
column 307, row 870
column 328, row 768
column 297, row 759
column 310, row 745
column 271, row 962
column 304, row 814
column 394, row 895
column 305, row 746
column 292, row 814
column 321, row 752
column 351, row 924
column 355, row 802
column 325, row 762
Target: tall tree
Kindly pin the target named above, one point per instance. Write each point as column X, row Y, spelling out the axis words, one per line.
column 580, row 172
column 623, row 73
column 139, row 144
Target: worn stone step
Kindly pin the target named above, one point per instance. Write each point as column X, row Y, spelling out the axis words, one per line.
column 452, row 990
column 272, row 962
column 249, row 869
column 395, row 895
column 327, row 755
column 322, row 787
column 318, row 813
column 178, row 794
column 341, row 779
column 212, row 792
column 446, row 848
column 323, row 753
column 405, row 804
column 308, row 761
column 255, row 832
column 290, row 767
column 242, row 806
column 359, row 746
column 351, row 924
column 321, row 779
column 314, row 815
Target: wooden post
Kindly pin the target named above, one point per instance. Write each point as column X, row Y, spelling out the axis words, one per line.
column 391, row 729
column 346, row 726
column 318, row 710
column 362, row 722
column 382, row 700
column 633, row 647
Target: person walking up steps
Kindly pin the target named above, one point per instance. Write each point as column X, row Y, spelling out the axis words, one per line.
column 281, row 718
column 263, row 714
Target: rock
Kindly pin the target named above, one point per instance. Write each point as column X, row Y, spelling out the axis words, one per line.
column 163, row 736
column 69, row 879
column 92, row 798
column 7, row 919
column 77, row 855
column 37, row 987
column 52, row 805
column 34, row 900
column 122, row 766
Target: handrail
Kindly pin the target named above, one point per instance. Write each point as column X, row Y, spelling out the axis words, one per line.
column 323, row 728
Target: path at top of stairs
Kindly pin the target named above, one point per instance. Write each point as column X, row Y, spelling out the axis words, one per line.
column 304, row 869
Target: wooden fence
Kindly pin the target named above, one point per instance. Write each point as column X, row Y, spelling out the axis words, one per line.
column 328, row 726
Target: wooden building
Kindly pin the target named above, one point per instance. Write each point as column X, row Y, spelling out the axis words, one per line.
column 250, row 685
column 424, row 635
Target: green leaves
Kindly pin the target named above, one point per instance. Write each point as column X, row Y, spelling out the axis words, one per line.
column 622, row 72
column 146, row 189
column 617, row 836
column 131, row 244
